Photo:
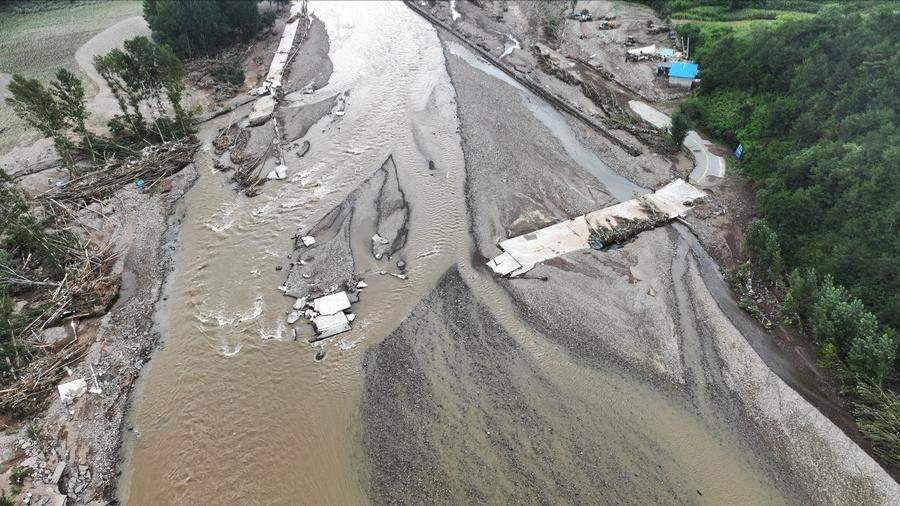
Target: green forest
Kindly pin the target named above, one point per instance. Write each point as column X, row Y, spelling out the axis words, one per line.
column 814, row 103
column 813, row 98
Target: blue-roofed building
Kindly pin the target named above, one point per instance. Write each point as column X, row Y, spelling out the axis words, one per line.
column 683, row 73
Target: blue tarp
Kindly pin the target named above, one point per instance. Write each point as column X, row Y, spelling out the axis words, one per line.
column 683, row 69
column 666, row 52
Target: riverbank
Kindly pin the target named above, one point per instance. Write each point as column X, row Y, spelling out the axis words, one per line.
column 72, row 449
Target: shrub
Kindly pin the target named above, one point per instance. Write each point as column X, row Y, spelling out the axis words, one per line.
column 839, row 318
column 763, row 250
column 878, row 416
column 230, row 72
column 803, row 289
column 872, row 356
column 17, row 476
column 679, row 129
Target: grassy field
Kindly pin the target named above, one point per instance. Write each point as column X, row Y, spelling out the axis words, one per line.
column 37, row 42
column 752, row 20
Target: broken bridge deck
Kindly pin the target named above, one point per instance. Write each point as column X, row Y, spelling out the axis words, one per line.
column 522, row 253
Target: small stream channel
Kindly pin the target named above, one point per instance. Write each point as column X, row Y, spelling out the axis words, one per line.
column 231, row 410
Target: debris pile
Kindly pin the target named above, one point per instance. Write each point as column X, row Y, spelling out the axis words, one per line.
column 329, row 314
column 551, row 64
column 619, row 119
column 154, row 164
column 228, row 137
column 88, row 289
column 626, row 228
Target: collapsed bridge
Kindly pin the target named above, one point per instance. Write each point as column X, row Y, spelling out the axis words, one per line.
column 596, row 229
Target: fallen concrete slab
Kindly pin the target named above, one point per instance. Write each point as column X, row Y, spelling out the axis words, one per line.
column 522, row 253
column 331, row 304
column 330, row 325
column 504, row 264
column 279, row 172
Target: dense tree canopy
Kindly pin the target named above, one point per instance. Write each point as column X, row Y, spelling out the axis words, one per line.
column 814, row 102
column 201, row 27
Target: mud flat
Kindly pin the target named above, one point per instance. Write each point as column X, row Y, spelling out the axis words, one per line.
column 298, row 119
column 311, row 67
column 376, row 209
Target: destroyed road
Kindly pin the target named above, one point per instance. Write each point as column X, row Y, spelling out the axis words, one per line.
column 595, row 377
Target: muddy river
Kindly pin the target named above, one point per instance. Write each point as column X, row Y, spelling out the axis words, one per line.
column 232, row 409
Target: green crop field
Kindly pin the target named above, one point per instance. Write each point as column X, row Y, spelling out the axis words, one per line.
column 37, row 41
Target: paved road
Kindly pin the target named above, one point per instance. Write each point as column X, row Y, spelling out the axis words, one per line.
column 705, row 162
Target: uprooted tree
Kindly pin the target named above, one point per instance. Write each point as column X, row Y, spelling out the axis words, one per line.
column 145, row 78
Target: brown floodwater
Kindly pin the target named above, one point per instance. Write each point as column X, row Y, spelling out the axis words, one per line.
column 231, row 410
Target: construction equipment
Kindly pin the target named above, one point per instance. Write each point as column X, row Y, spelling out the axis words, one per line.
column 583, row 15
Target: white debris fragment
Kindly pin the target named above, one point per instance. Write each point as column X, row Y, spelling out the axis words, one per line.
column 308, row 240
column 351, row 317
column 399, row 276
column 279, row 172
column 330, row 325
column 96, row 388
column 361, row 284
column 300, row 303
column 331, row 304
column 293, row 316
column 71, row 390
